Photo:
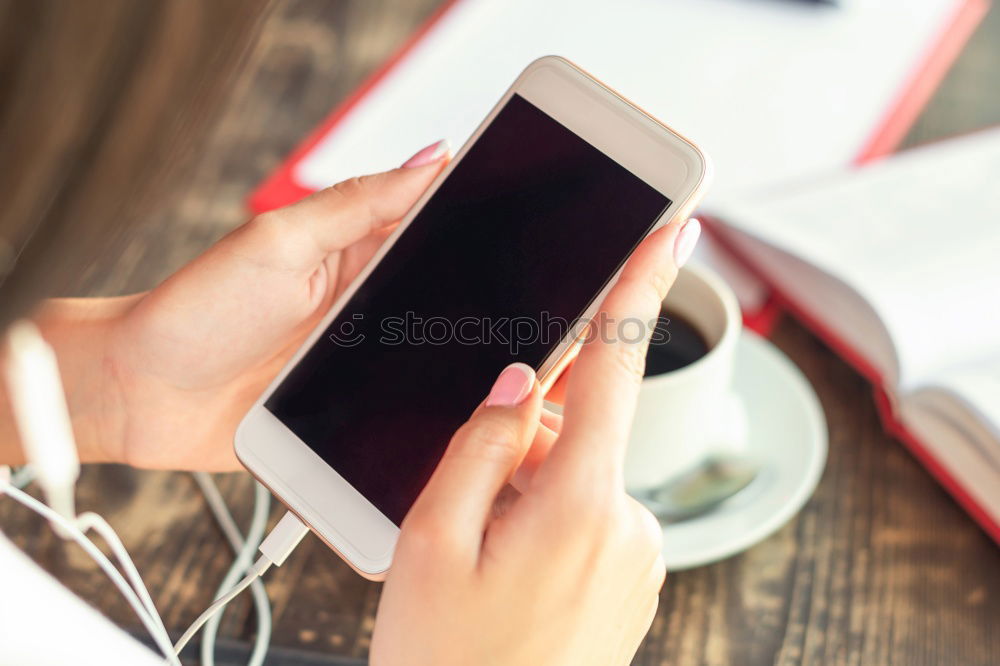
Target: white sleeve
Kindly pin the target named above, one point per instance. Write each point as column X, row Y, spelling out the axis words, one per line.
column 42, row 623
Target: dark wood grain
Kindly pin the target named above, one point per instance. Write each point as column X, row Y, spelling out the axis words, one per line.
column 880, row 567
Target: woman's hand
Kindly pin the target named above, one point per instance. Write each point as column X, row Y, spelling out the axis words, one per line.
column 181, row 364
column 569, row 572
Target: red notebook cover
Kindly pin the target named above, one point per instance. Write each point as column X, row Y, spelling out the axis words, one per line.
column 280, row 189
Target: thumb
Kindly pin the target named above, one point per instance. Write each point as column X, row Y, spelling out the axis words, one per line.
column 339, row 216
column 481, row 458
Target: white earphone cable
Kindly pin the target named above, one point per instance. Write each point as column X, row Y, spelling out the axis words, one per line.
column 73, row 531
column 22, row 476
column 280, row 542
column 91, row 521
column 41, row 414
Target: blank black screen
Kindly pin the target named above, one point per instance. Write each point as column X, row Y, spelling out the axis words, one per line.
column 528, row 227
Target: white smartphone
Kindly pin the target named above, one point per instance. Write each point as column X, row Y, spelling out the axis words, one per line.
column 513, row 245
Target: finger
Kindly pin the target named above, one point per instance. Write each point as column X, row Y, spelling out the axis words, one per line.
column 636, row 627
column 504, row 501
column 480, row 460
column 547, row 417
column 551, row 420
column 545, row 438
column 352, row 260
column 549, row 426
column 604, row 385
column 644, row 624
column 338, row 216
column 557, row 393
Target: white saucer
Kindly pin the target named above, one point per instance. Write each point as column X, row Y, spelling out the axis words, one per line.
column 787, row 436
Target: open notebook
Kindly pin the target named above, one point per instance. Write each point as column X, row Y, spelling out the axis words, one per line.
column 772, row 89
column 898, row 265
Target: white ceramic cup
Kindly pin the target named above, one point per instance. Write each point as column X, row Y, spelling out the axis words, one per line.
column 690, row 413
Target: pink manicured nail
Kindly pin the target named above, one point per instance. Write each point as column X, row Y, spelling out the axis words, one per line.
column 431, row 153
column 686, row 240
column 512, row 386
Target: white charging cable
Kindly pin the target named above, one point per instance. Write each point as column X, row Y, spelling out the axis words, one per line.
column 243, row 548
column 278, row 545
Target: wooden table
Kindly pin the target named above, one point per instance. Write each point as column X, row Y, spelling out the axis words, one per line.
column 880, row 567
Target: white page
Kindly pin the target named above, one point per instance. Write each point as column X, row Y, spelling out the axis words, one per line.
column 772, row 89
column 959, row 446
column 958, row 421
column 821, row 297
column 917, row 236
column 978, row 387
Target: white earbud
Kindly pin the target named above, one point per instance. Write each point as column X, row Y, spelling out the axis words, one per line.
column 42, row 416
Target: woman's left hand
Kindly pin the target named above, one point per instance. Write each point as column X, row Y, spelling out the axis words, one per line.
column 185, row 361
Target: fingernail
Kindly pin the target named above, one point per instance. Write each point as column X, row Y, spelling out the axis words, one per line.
column 431, row 153
column 685, row 242
column 512, row 386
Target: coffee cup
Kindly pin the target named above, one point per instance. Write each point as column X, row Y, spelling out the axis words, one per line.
column 687, row 410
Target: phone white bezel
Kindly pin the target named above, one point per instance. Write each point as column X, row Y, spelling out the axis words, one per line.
column 325, row 501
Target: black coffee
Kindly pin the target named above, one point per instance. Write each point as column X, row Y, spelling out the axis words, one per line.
column 675, row 344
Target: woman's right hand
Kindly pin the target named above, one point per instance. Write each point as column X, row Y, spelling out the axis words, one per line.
column 570, row 571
